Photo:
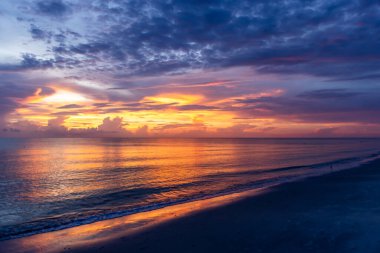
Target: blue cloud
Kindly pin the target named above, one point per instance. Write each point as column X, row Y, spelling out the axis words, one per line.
column 52, row 8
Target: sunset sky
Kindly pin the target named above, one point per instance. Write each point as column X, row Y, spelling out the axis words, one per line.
column 190, row 68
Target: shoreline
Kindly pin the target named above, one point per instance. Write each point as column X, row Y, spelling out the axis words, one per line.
column 336, row 212
column 316, row 170
column 108, row 229
column 108, row 233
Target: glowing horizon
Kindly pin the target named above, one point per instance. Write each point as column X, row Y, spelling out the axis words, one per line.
column 235, row 72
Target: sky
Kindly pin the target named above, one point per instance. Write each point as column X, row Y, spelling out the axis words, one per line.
column 189, row 68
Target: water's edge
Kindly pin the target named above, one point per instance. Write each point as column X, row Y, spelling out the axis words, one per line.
column 318, row 170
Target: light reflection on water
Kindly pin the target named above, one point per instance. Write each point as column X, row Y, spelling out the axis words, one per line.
column 52, row 183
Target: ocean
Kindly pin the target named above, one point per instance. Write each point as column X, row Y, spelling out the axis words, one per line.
column 52, row 184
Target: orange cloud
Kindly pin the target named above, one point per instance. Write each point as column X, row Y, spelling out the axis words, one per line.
column 170, row 98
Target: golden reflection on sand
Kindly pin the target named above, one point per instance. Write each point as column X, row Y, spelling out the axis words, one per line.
column 118, row 228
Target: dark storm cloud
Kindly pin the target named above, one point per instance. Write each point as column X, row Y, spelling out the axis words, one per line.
column 52, row 7
column 329, row 131
column 360, row 77
column 45, row 91
column 28, row 62
column 325, row 38
column 39, row 34
column 16, row 87
column 10, row 92
column 329, row 94
column 139, row 47
column 320, row 106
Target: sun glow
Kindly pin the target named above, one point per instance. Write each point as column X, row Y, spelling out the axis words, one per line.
column 179, row 99
column 62, row 96
column 162, row 114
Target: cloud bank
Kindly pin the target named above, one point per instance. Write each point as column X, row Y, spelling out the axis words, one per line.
column 155, row 68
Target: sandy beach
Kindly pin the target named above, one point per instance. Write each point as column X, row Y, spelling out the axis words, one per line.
column 338, row 212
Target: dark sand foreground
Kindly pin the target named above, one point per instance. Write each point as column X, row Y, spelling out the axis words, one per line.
column 339, row 212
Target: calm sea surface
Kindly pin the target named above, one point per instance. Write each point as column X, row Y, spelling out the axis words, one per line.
column 49, row 184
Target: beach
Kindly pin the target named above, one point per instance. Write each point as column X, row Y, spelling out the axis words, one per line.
column 337, row 212
column 333, row 213
column 189, row 126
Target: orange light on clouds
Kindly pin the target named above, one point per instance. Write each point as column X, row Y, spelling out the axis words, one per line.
column 179, row 99
column 162, row 114
column 63, row 96
column 233, row 100
column 60, row 96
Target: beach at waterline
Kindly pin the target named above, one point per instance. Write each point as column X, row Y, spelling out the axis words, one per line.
column 53, row 184
column 337, row 212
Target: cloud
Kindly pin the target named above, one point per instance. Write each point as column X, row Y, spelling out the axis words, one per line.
column 329, row 94
column 70, row 106
column 52, row 8
column 28, row 62
column 18, row 87
column 316, row 106
column 57, row 122
column 326, row 132
column 39, row 34
column 358, row 77
column 56, row 128
column 21, row 128
column 322, row 38
column 142, row 131
column 114, row 125
column 10, row 94
column 110, row 127
column 238, row 130
column 323, row 57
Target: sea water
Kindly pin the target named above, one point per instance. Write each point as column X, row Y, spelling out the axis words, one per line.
column 51, row 184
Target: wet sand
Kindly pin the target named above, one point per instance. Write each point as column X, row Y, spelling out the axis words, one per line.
column 339, row 212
